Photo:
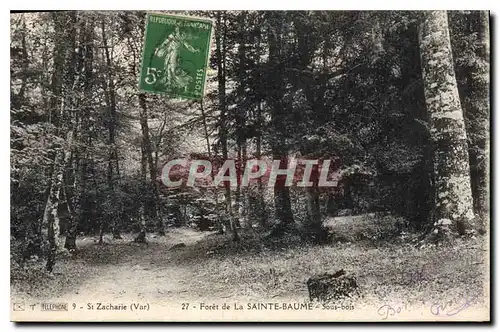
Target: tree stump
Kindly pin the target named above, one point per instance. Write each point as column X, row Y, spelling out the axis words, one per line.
column 178, row 245
column 141, row 238
column 330, row 287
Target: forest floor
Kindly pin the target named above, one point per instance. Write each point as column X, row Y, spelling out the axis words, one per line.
column 210, row 266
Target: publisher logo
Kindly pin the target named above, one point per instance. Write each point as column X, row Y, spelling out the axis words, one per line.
column 18, row 307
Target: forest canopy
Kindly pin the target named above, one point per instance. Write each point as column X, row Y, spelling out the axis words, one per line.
column 360, row 88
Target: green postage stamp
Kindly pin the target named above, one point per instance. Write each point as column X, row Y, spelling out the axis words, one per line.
column 175, row 55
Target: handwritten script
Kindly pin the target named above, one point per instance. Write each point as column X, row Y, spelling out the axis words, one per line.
column 387, row 310
column 437, row 308
column 451, row 307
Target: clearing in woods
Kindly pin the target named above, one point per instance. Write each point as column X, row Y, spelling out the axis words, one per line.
column 210, row 266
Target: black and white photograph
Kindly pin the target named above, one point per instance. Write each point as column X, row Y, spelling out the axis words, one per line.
column 250, row 166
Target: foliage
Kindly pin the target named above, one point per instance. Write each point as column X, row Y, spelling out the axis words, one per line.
column 337, row 85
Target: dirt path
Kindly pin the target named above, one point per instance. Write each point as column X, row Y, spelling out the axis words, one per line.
column 124, row 271
column 148, row 273
column 213, row 267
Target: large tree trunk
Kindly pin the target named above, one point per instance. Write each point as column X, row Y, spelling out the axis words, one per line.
column 313, row 225
column 241, row 196
column 237, row 195
column 262, row 212
column 109, row 87
column 141, row 237
column 71, row 80
column 219, row 225
column 279, row 151
column 61, row 157
column 453, row 197
column 50, row 216
column 220, row 50
column 244, row 207
column 83, row 209
column 313, row 214
column 483, row 83
column 477, row 106
column 282, row 205
column 70, row 242
column 155, row 203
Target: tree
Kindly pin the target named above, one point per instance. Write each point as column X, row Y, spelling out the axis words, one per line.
column 72, row 177
column 275, row 99
column 111, row 121
column 62, row 154
column 50, row 217
column 345, row 86
column 141, row 237
column 481, row 79
column 453, row 197
column 148, row 152
column 220, row 51
column 470, row 37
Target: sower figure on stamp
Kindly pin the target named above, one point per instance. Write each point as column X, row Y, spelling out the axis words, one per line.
column 174, row 75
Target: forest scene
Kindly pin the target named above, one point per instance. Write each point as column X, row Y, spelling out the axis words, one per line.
column 397, row 101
